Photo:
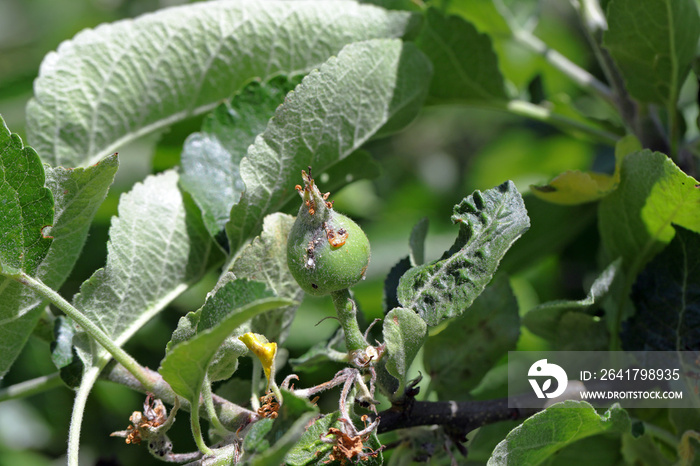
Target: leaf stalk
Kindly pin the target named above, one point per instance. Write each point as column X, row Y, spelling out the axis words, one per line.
column 124, row 358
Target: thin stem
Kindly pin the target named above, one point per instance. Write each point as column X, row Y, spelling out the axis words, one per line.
column 76, row 420
column 594, row 24
column 97, row 333
column 347, row 315
column 231, row 415
column 577, row 74
column 537, row 112
column 254, row 383
column 197, row 430
column 31, row 387
column 211, row 410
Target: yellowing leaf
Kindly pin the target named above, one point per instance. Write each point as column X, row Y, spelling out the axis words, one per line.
column 576, row 187
column 264, row 350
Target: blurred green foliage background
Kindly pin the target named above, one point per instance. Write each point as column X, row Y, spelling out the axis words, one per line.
column 442, row 157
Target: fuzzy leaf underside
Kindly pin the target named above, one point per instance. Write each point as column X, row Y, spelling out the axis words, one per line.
column 416, row 242
column 404, row 333
column 119, row 81
column 635, row 220
column 158, row 247
column 265, row 260
column 653, row 43
column 370, row 86
column 489, row 223
column 458, row 357
column 186, row 362
column 211, row 158
column 666, row 296
column 466, row 66
column 543, row 434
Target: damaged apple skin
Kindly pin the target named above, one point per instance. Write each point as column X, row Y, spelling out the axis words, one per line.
column 326, row 250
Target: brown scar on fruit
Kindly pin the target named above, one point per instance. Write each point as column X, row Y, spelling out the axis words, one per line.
column 311, row 205
column 336, row 238
column 310, row 262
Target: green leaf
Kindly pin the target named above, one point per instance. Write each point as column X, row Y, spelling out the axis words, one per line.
column 211, row 158
column 26, row 209
column 576, row 187
column 635, row 220
column 311, row 450
column 482, row 13
column 653, row 42
column 185, row 364
column 305, row 451
column 553, row 228
column 645, row 451
column 110, row 85
column 63, row 353
column 77, row 194
column 548, row 431
column 416, row 242
column 265, row 260
column 391, row 283
column 294, row 417
column 322, row 353
column 158, row 246
column 458, row 357
column 667, row 298
column 371, row 86
column 404, row 333
column 598, row 450
column 225, row 362
column 581, row 332
column 26, row 206
column 544, row 320
column 489, row 223
column 466, row 67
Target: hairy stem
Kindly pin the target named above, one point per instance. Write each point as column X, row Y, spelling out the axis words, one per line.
column 211, row 410
column 95, row 332
column 31, row 387
column 197, row 430
column 230, row 414
column 76, row 419
column 347, row 315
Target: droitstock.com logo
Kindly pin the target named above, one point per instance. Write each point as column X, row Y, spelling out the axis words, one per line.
column 541, row 369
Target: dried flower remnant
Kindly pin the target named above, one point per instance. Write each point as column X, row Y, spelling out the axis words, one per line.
column 269, row 406
column 347, row 448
